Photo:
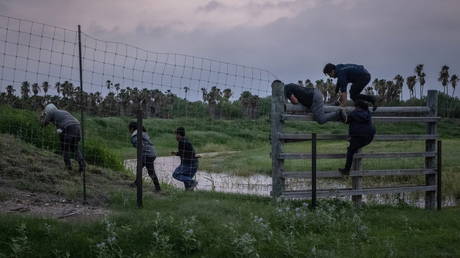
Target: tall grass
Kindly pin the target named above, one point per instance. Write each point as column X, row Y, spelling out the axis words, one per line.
column 223, row 225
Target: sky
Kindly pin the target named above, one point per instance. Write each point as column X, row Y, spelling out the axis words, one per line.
column 293, row 39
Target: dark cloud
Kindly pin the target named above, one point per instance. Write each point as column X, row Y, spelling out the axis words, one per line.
column 389, row 37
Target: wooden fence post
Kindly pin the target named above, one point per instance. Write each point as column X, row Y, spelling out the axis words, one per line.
column 277, row 164
column 430, row 146
column 356, row 180
column 439, row 176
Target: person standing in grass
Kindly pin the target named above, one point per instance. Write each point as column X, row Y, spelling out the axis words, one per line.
column 188, row 161
column 69, row 130
column 313, row 99
column 360, row 133
column 148, row 154
column 357, row 75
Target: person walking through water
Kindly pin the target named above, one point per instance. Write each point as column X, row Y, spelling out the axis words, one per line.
column 69, row 130
column 148, row 154
column 357, row 75
column 313, row 99
column 188, row 161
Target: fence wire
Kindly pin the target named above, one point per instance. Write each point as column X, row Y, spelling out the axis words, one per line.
column 224, row 107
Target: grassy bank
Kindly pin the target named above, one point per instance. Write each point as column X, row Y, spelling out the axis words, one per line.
column 221, row 225
column 202, row 224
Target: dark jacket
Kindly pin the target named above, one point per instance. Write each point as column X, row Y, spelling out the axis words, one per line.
column 303, row 94
column 349, row 73
column 148, row 150
column 186, row 153
column 360, row 123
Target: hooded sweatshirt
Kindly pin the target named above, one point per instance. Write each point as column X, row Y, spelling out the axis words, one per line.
column 60, row 118
column 360, row 123
column 148, row 150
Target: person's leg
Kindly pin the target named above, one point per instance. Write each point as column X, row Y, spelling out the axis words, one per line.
column 356, row 143
column 180, row 175
column 358, row 87
column 66, row 142
column 318, row 110
column 149, row 164
column 75, row 132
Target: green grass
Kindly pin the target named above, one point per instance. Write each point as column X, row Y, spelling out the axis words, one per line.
column 204, row 224
column 207, row 224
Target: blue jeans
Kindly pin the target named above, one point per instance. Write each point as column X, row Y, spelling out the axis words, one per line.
column 185, row 173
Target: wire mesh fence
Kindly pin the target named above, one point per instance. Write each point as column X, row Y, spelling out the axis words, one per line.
column 223, row 107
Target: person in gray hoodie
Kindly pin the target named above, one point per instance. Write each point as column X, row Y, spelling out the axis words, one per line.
column 69, row 130
column 148, row 153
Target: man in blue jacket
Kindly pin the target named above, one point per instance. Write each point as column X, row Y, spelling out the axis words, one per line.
column 357, row 75
column 188, row 161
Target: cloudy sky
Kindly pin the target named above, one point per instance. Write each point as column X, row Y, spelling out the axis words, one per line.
column 291, row 38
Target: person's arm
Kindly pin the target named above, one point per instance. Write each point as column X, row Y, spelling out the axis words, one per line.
column 44, row 119
column 293, row 99
column 134, row 140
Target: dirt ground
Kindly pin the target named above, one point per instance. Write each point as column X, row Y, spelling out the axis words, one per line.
column 46, row 205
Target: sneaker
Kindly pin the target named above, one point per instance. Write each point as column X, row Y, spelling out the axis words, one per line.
column 192, row 186
column 344, row 172
column 343, row 115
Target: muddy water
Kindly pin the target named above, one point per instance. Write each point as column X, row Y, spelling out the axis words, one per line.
column 262, row 184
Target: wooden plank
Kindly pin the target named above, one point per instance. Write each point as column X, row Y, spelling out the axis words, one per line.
column 381, row 110
column 336, row 174
column 309, row 117
column 383, row 137
column 394, row 119
column 323, row 193
column 286, row 155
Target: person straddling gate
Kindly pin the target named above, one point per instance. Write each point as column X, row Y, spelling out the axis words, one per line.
column 188, row 161
column 148, row 154
column 357, row 75
column 360, row 133
column 69, row 130
column 312, row 99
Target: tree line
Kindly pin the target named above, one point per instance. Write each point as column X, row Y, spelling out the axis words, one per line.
column 215, row 103
column 118, row 101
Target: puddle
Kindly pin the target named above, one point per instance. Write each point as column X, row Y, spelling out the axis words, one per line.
column 261, row 184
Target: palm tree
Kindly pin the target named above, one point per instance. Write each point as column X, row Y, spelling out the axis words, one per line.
column 35, row 89
column 186, row 89
column 421, row 77
column 444, row 78
column 454, row 80
column 410, row 82
column 45, row 87
column 10, row 90
column 58, row 87
column 227, row 94
column 399, row 83
column 25, row 90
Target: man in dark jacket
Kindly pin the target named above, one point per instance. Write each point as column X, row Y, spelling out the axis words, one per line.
column 68, row 128
column 360, row 133
column 148, row 153
column 188, row 161
column 357, row 75
column 312, row 99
